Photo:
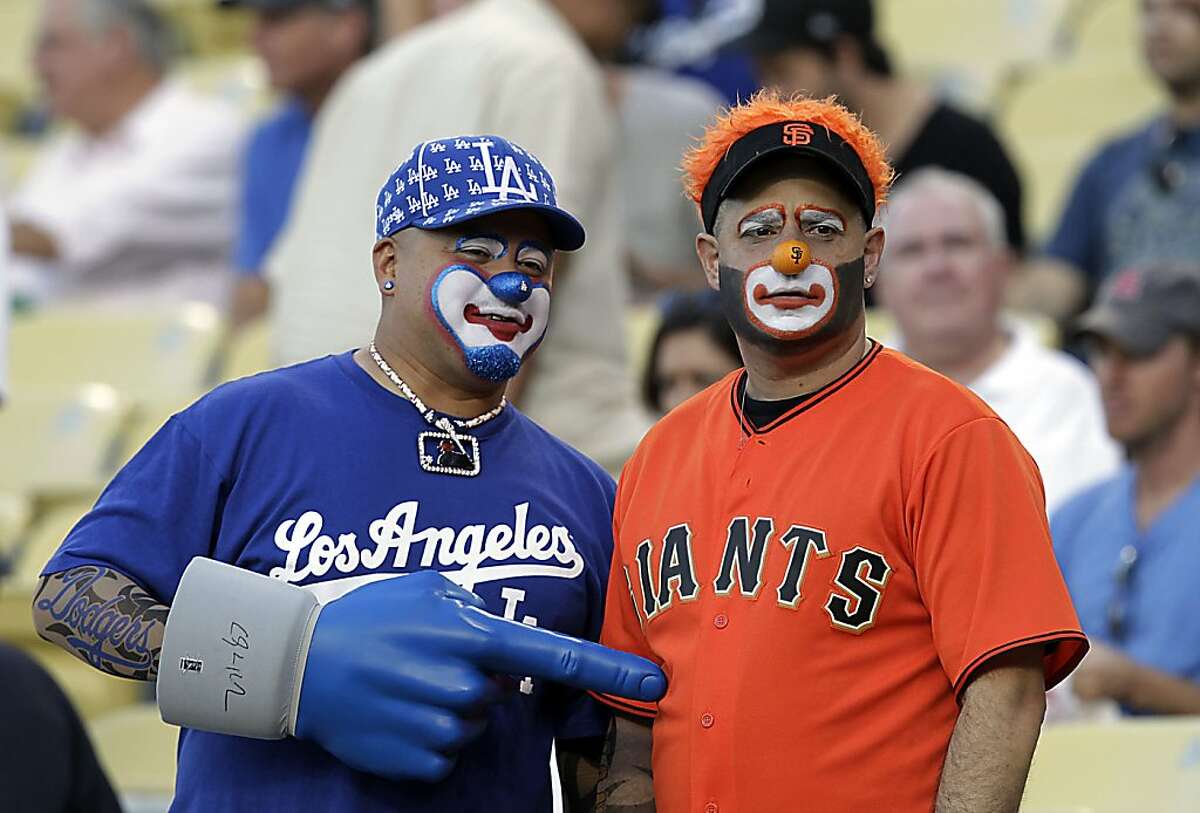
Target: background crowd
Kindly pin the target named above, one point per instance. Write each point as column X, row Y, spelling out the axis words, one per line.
column 187, row 192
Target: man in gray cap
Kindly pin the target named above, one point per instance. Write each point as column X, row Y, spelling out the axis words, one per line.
column 1127, row 546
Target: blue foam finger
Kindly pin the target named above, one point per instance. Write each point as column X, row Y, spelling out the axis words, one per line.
column 518, row 649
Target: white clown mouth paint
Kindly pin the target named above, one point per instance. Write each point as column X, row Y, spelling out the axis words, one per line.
column 495, row 321
column 789, row 305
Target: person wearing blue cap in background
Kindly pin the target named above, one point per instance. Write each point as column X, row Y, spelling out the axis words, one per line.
column 245, row 557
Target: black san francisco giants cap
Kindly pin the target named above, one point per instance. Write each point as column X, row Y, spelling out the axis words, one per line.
column 788, row 138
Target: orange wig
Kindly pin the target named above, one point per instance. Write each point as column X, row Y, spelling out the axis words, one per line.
column 769, row 107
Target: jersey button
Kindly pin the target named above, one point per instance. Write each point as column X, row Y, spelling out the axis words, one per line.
column 707, row 720
column 721, row 621
column 711, row 807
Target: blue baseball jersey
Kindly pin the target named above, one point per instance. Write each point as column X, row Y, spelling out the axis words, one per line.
column 310, row 474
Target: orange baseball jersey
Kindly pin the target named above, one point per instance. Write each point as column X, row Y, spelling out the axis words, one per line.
column 819, row 591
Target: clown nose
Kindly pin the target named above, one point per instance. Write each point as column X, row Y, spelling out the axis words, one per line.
column 791, row 257
column 512, row 287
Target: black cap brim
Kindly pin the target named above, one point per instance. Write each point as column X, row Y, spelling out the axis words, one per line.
column 809, row 141
column 1135, row 336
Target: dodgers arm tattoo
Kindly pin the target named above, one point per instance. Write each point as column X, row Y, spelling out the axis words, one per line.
column 102, row 617
column 628, row 786
column 583, row 764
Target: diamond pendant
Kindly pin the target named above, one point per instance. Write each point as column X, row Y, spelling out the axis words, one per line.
column 443, row 453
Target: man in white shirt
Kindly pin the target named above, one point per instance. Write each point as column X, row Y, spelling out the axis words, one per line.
column 510, row 67
column 945, row 266
column 136, row 202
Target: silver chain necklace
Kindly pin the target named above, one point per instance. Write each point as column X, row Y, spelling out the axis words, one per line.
column 447, row 451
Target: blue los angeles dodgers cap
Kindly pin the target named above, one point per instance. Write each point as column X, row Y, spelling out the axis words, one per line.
column 452, row 180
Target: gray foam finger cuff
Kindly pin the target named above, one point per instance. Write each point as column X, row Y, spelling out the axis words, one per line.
column 234, row 651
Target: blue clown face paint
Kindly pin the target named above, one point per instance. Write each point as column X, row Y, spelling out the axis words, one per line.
column 496, row 322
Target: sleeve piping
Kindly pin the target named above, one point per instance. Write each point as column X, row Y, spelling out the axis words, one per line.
column 638, row 709
column 1054, row 672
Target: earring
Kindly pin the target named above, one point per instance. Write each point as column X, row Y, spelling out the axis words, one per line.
column 389, row 285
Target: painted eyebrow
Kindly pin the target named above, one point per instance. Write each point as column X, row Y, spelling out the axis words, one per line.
column 773, row 214
column 811, row 214
column 536, row 246
column 467, row 238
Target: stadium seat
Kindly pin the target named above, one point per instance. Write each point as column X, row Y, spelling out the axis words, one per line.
column 967, row 47
column 1147, row 765
column 1054, row 121
column 40, row 542
column 1105, row 27
column 143, row 355
column 58, row 447
column 137, row 751
column 24, row 563
column 146, row 418
column 18, row 19
column 16, row 511
column 249, row 352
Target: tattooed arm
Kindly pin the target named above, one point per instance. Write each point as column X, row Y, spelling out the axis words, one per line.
column 583, row 765
column 628, row 786
column 102, row 617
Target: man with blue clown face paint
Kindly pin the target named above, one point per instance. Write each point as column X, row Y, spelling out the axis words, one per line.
column 483, row 264
column 381, row 579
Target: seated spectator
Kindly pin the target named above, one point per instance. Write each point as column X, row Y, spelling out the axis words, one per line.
column 305, row 45
column 828, row 47
column 49, row 765
column 944, row 270
column 1128, row 546
column 693, row 348
column 1137, row 199
column 659, row 114
column 503, row 66
column 136, row 202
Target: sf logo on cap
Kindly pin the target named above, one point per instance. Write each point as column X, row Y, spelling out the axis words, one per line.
column 797, row 134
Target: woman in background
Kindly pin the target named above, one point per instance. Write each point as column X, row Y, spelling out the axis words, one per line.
column 692, row 348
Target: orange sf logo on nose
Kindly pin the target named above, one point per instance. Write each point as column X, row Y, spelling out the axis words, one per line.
column 791, row 257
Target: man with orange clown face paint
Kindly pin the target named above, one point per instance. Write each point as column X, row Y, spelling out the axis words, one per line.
column 839, row 558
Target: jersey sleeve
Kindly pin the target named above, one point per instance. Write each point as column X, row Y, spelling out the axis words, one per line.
column 983, row 557
column 622, row 624
column 158, row 513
